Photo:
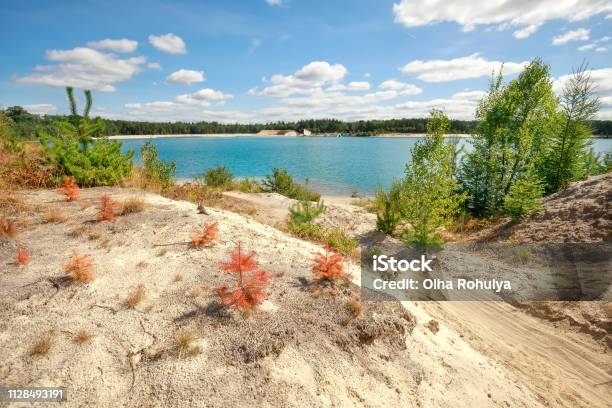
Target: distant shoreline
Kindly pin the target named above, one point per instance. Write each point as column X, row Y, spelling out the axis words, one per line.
column 222, row 135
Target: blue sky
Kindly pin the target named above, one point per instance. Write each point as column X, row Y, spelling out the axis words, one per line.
column 266, row 60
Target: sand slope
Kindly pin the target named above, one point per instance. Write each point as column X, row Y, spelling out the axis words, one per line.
column 300, row 349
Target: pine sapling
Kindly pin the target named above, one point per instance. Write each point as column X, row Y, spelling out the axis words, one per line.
column 79, row 268
column 250, row 281
column 329, row 266
column 107, row 205
column 23, row 257
column 204, row 237
column 70, row 189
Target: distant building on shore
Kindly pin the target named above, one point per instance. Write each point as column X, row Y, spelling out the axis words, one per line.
column 273, row 132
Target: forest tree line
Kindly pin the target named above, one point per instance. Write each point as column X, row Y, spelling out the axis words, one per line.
column 25, row 125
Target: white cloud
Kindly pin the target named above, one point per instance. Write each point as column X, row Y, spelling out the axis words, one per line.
column 351, row 86
column 183, row 107
column 602, row 81
column 40, row 108
column 594, row 44
column 307, row 79
column 154, row 65
column 601, row 49
column 526, row 31
column 402, row 87
column 85, row 68
column 274, row 2
column 122, row 45
column 471, row 66
column 581, row 34
column 185, row 77
column 169, row 43
column 527, row 16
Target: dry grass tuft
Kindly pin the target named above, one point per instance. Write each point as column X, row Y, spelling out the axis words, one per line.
column 178, row 278
column 355, row 307
column 8, row 228
column 183, row 343
column 54, row 216
column 79, row 268
column 82, row 337
column 433, row 326
column 132, row 205
column 162, row 252
column 135, row 297
column 41, row 347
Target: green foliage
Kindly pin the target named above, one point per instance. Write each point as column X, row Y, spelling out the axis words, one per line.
column 247, row 185
column 567, row 158
column 592, row 163
column 516, row 122
column 155, row 170
column 7, row 133
column 334, row 237
column 387, row 211
column 306, row 211
column 338, row 238
column 69, row 144
column 218, row 177
column 523, row 255
column 524, row 197
column 428, row 197
column 281, row 182
column 102, row 164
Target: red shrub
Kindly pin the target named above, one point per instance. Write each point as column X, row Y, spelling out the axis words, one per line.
column 329, row 266
column 107, row 205
column 23, row 257
column 250, row 281
column 80, row 268
column 70, row 189
column 205, row 236
column 8, row 228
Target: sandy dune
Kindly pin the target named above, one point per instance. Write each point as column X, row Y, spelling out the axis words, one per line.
column 298, row 350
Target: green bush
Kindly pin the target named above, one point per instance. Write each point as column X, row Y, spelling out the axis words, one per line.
column 247, row 185
column 155, row 170
column 74, row 146
column 218, row 177
column 339, row 239
column 427, row 198
column 524, row 198
column 306, row 211
column 102, row 165
column 281, row 182
column 523, row 255
column 387, row 213
column 334, row 237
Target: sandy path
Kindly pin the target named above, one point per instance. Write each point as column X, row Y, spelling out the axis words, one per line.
column 562, row 367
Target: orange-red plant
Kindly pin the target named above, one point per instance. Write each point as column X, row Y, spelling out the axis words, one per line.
column 80, row 268
column 329, row 266
column 23, row 257
column 8, row 228
column 205, row 236
column 70, row 189
column 250, row 281
column 107, row 205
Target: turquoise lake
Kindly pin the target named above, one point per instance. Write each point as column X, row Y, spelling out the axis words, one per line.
column 333, row 165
